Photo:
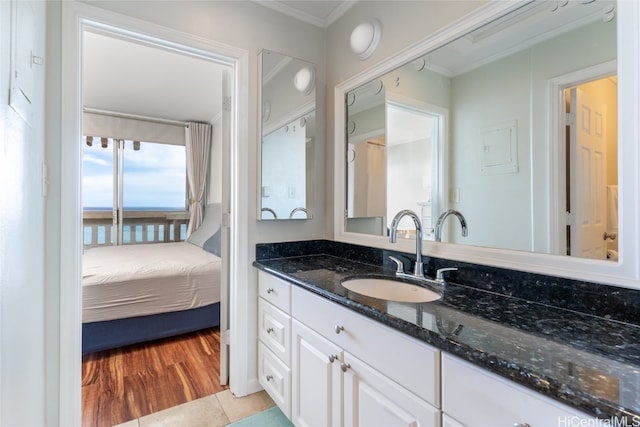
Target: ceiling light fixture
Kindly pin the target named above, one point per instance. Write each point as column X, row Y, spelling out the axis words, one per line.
column 365, row 38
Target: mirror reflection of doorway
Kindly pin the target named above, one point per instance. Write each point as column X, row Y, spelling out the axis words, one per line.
column 591, row 177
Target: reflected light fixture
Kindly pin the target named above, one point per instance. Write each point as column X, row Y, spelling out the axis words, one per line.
column 365, row 38
column 89, row 141
column 266, row 111
column 305, row 80
column 136, row 145
column 104, row 142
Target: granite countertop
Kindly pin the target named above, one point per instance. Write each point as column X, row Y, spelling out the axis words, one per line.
column 584, row 361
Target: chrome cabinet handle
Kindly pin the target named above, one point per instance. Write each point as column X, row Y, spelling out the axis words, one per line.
column 269, row 330
column 269, row 377
column 339, row 329
column 521, row 425
column 269, row 290
column 345, row 366
column 332, row 358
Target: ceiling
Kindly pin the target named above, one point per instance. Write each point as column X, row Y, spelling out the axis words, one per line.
column 124, row 76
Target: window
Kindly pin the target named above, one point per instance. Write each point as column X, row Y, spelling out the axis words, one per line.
column 133, row 192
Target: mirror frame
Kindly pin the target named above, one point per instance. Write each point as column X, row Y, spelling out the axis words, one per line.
column 625, row 272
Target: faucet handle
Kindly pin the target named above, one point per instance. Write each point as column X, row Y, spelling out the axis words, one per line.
column 399, row 264
column 440, row 273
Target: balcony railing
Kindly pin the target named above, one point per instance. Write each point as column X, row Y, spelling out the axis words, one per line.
column 138, row 227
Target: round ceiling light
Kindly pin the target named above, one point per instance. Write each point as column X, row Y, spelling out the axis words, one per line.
column 305, row 80
column 365, row 38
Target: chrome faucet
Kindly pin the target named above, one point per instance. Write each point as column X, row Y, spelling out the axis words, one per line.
column 417, row 270
column 299, row 209
column 441, row 218
column 271, row 211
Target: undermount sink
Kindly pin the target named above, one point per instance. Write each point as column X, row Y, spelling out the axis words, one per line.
column 390, row 290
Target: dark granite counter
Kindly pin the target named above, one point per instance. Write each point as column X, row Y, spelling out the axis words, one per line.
column 588, row 362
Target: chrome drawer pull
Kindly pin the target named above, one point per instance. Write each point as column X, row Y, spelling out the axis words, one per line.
column 345, row 366
column 269, row 290
column 269, row 330
column 332, row 358
column 339, row 329
column 522, row 425
column 269, row 377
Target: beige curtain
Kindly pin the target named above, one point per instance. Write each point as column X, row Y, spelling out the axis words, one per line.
column 198, row 145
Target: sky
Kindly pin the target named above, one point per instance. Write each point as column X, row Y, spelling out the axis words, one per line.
column 154, row 176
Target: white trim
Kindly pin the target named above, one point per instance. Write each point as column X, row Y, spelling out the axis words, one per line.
column 307, row 17
column 75, row 17
column 624, row 273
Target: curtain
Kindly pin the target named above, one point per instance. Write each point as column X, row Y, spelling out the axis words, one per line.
column 198, row 145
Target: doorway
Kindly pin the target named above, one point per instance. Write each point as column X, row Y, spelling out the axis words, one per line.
column 134, row 136
column 584, row 175
column 77, row 18
column 592, row 169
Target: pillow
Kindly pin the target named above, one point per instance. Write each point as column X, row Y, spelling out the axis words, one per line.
column 210, row 224
column 212, row 244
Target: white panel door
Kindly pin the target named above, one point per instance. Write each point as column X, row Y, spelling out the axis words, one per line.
column 316, row 379
column 372, row 399
column 587, row 178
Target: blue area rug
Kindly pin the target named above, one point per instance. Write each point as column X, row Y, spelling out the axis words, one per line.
column 272, row 417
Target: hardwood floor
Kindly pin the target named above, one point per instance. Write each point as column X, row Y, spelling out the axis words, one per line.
column 124, row 384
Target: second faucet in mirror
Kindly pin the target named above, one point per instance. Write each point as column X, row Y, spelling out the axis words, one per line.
column 443, row 216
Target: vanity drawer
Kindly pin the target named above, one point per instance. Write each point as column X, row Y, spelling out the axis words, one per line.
column 274, row 330
column 408, row 362
column 274, row 290
column 476, row 397
column 275, row 377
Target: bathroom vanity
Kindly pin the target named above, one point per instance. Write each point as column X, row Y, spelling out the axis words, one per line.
column 329, row 356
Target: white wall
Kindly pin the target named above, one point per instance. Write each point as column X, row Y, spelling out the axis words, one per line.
column 23, row 349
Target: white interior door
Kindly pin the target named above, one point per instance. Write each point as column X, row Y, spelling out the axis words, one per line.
column 227, row 83
column 587, row 177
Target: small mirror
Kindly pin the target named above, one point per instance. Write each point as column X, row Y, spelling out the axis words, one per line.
column 288, row 100
column 513, row 125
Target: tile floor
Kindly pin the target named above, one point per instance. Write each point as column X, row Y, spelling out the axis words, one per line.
column 217, row 410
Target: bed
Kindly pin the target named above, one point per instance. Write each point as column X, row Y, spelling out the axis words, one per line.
column 138, row 293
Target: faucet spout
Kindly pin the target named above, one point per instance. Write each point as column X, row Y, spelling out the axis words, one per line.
column 441, row 218
column 418, row 270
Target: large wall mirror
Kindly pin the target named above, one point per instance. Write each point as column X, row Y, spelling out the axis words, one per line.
column 513, row 125
column 288, row 110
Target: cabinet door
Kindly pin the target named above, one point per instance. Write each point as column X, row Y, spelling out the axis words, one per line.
column 316, row 379
column 371, row 399
column 477, row 398
column 274, row 327
column 275, row 377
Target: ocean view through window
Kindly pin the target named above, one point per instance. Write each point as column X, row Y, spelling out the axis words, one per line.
column 139, row 186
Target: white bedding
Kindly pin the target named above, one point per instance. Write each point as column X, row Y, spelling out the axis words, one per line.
column 139, row 280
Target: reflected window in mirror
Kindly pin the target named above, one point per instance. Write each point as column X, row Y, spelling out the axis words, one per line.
column 288, row 130
column 518, row 133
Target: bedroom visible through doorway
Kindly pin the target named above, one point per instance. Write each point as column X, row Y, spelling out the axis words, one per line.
column 154, row 134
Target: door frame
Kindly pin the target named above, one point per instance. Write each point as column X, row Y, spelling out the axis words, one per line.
column 557, row 194
column 75, row 17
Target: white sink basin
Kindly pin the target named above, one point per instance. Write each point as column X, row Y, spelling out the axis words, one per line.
column 390, row 290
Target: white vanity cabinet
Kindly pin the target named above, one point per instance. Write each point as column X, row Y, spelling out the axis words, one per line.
column 274, row 339
column 474, row 397
column 349, row 370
